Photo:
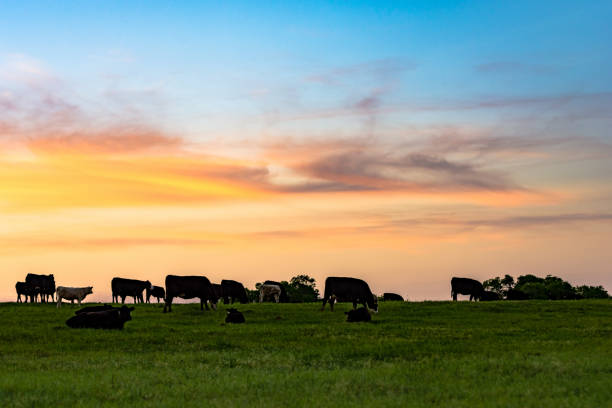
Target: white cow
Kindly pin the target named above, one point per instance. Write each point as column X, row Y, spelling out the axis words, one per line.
column 71, row 294
column 269, row 290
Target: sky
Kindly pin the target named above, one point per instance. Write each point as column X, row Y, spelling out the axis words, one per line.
column 403, row 143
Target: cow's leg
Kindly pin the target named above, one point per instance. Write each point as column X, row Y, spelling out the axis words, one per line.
column 454, row 296
column 332, row 301
column 276, row 298
column 168, row 304
column 261, row 297
column 59, row 301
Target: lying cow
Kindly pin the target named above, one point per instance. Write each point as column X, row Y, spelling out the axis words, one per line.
column 113, row 318
column 25, row 289
column 466, row 286
column 392, row 297
column 157, row 292
column 234, row 316
column 269, row 291
column 358, row 315
column 348, row 290
column 189, row 287
column 71, row 294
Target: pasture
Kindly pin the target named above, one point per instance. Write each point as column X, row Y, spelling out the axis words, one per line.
column 510, row 354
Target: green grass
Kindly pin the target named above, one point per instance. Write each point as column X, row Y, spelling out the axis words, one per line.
column 508, row 354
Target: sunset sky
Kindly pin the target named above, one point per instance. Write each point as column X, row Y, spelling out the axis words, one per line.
column 402, row 143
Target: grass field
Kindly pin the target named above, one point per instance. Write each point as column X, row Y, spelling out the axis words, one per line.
column 510, row 354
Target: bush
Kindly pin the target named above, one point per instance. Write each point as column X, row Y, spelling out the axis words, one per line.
column 591, row 292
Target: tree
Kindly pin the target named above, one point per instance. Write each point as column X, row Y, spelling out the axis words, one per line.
column 592, row 292
column 493, row 285
column 507, row 282
column 302, row 288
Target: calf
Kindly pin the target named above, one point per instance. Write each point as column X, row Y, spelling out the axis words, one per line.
column 234, row 316
column 358, row 315
column 269, row 290
column 157, row 292
column 107, row 319
column 71, row 294
column 25, row 289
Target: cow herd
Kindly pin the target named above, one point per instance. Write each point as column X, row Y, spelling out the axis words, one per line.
column 337, row 289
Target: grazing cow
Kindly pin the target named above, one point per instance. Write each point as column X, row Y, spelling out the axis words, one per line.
column 466, row 286
column 71, row 294
column 358, row 315
column 25, row 289
column 90, row 309
column 269, row 290
column 234, row 316
column 113, row 318
column 392, row 296
column 189, row 287
column 284, row 298
column 217, row 291
column 348, row 290
column 129, row 287
column 488, row 295
column 233, row 290
column 43, row 285
column 157, row 292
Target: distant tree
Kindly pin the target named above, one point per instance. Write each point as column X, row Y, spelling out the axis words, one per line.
column 507, row 282
column 557, row 288
column 494, row 285
column 523, row 279
column 592, row 292
column 302, row 288
column 534, row 290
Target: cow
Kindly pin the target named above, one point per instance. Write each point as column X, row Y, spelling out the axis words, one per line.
column 71, row 294
column 392, row 296
column 113, row 318
column 234, row 316
column 269, row 290
column 129, row 287
column 25, row 289
column 348, row 290
column 233, row 290
column 43, row 285
column 189, row 287
column 217, row 291
column 488, row 295
column 283, row 296
column 90, row 309
column 466, row 286
column 157, row 292
column 358, row 315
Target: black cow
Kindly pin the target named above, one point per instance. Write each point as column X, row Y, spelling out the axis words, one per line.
column 234, row 316
column 217, row 291
column 283, row 298
column 235, row 291
column 129, row 287
column 488, row 295
column 348, row 290
column 189, row 287
column 466, row 286
column 43, row 285
column 157, row 292
column 392, row 296
column 90, row 309
column 358, row 315
column 106, row 319
column 25, row 289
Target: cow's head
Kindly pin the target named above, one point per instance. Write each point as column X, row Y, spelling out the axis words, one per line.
column 149, row 285
column 373, row 304
column 89, row 290
column 125, row 313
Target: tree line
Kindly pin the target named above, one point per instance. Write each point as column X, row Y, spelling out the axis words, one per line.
column 533, row 287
